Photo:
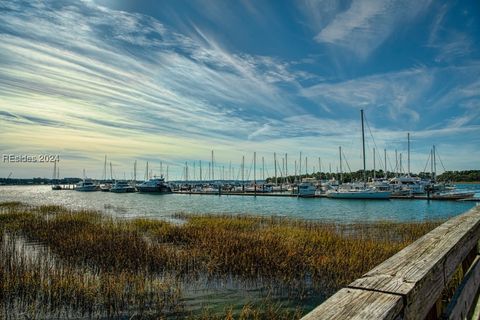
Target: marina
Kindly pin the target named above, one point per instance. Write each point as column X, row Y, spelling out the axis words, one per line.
column 164, row 206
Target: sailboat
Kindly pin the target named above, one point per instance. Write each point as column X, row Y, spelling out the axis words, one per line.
column 56, row 177
column 359, row 191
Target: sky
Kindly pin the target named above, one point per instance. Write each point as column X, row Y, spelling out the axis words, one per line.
column 169, row 81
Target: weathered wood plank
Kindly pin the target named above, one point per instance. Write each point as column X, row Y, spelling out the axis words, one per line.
column 463, row 302
column 359, row 305
column 421, row 271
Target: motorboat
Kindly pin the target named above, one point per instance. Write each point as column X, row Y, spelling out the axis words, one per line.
column 105, row 187
column 307, row 188
column 122, row 187
column 407, row 185
column 358, row 193
column 86, row 185
column 154, row 185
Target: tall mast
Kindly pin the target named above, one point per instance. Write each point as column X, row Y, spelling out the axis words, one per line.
column 135, row 171
column 434, row 162
column 363, row 148
column 275, row 164
column 255, row 169
column 300, row 168
column 341, row 170
column 105, row 169
column 243, row 173
column 54, row 170
column 306, row 166
column 111, row 171
column 401, row 167
column 167, row 172
column 263, row 169
column 374, row 175
column 286, row 165
column 396, row 163
column 408, row 155
column 213, row 170
column 295, row 169
column 200, row 163
column 385, row 153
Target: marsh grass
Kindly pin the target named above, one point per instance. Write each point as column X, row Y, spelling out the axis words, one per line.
column 111, row 267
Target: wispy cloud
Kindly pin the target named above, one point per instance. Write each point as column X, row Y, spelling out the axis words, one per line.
column 77, row 75
column 362, row 26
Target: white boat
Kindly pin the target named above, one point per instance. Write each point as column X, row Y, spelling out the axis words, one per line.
column 358, row 190
column 154, row 185
column 122, row 187
column 407, row 185
column 86, row 185
column 358, row 193
column 105, row 187
column 307, row 188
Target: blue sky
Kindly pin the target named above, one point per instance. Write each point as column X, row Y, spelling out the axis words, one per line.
column 171, row 80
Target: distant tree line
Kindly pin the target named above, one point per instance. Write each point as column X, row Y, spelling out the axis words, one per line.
column 345, row 177
column 465, row 176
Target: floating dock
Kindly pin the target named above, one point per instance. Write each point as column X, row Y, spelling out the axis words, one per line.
column 274, row 194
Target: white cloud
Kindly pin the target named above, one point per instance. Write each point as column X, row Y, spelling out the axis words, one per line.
column 364, row 25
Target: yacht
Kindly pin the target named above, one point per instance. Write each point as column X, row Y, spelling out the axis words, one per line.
column 105, row 187
column 86, row 185
column 407, row 185
column 122, row 187
column 307, row 188
column 156, row 185
column 358, row 193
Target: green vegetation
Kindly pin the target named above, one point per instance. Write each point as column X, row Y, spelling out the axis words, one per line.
column 62, row 263
column 447, row 176
column 460, row 176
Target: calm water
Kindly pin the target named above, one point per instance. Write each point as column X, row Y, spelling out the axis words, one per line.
column 158, row 206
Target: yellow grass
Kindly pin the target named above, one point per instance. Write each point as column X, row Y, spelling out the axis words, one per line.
column 109, row 267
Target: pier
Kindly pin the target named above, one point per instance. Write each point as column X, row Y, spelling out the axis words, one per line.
column 436, row 277
column 294, row 195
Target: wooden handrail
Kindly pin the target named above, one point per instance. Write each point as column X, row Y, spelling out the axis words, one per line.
column 409, row 285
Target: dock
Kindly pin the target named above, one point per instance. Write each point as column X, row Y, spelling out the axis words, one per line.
column 292, row 195
column 436, row 277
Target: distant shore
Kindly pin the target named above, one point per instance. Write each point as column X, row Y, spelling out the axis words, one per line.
column 467, row 182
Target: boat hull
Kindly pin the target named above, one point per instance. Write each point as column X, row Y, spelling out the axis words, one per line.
column 86, row 189
column 382, row 195
column 161, row 189
column 122, row 190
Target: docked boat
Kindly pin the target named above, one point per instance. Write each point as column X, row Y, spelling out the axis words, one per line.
column 358, row 193
column 105, row 187
column 452, row 195
column 407, row 185
column 359, row 190
column 307, row 188
column 86, row 185
column 154, row 185
column 122, row 187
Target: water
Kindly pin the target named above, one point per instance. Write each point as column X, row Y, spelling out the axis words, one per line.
column 162, row 206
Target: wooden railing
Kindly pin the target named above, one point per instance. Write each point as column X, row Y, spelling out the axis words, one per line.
column 436, row 277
